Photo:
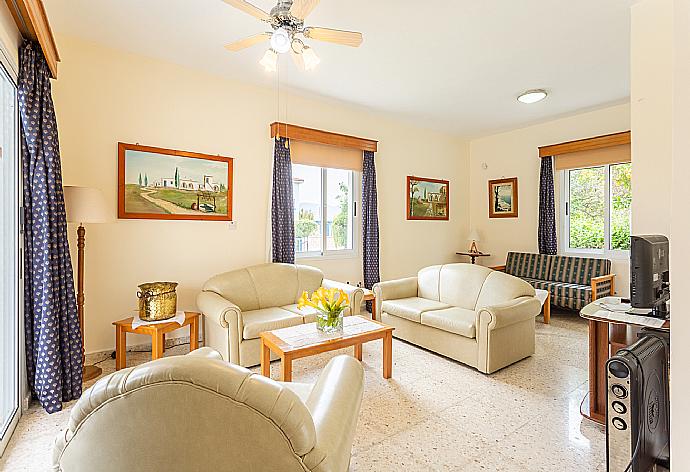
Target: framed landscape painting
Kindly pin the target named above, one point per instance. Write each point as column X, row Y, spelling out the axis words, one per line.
column 427, row 199
column 503, row 198
column 163, row 184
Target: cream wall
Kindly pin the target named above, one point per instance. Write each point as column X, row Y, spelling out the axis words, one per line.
column 10, row 38
column 680, row 233
column 651, row 114
column 104, row 96
column 515, row 154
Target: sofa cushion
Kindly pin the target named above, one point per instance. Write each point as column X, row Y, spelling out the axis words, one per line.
column 267, row 319
column 528, row 265
column 411, row 308
column 428, row 282
column 308, row 313
column 500, row 288
column 460, row 284
column 276, row 284
column 236, row 286
column 577, row 270
column 454, row 320
column 573, row 296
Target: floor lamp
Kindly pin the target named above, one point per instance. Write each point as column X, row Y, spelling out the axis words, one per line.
column 84, row 205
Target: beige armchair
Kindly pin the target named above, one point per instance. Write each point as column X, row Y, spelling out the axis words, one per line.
column 199, row 413
column 470, row 313
column 239, row 305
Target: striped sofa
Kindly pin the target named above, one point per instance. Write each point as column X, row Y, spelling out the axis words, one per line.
column 572, row 282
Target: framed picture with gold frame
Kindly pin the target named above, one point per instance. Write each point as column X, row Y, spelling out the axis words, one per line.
column 503, row 198
column 165, row 184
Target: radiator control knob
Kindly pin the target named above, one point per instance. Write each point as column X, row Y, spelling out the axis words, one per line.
column 619, row 408
column 619, row 424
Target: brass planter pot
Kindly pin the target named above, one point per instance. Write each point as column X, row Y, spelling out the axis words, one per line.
column 157, row 301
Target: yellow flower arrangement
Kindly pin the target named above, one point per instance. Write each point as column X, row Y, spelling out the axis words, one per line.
column 330, row 303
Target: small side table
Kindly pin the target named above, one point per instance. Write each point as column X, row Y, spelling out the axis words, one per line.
column 472, row 255
column 369, row 296
column 157, row 333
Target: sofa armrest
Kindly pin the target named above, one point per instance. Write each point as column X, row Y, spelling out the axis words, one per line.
column 355, row 294
column 508, row 313
column 206, row 353
column 222, row 311
column 334, row 404
column 603, row 286
column 393, row 290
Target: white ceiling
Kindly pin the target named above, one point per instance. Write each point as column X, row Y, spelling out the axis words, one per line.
column 457, row 65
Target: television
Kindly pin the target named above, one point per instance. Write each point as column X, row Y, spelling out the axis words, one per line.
column 649, row 274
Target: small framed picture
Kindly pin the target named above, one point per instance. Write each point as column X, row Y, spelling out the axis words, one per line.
column 164, row 184
column 503, row 198
column 427, row 199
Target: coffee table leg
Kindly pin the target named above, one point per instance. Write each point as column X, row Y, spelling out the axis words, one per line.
column 388, row 355
column 120, row 348
column 286, row 365
column 358, row 352
column 163, row 342
column 373, row 309
column 265, row 360
column 194, row 334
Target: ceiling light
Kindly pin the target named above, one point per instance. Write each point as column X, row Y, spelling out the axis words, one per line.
column 532, row 96
column 311, row 60
column 270, row 61
column 280, row 41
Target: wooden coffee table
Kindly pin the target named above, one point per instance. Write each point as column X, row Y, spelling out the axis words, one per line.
column 305, row 340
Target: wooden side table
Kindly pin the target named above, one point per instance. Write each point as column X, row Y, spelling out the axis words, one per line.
column 369, row 296
column 157, row 333
column 472, row 255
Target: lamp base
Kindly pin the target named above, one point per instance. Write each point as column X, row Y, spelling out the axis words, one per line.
column 90, row 372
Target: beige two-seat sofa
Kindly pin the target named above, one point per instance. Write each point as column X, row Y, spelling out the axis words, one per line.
column 470, row 313
column 240, row 304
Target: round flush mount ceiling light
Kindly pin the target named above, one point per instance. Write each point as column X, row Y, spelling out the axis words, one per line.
column 532, row 96
column 280, row 41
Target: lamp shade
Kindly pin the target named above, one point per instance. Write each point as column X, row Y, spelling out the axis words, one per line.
column 474, row 236
column 85, row 205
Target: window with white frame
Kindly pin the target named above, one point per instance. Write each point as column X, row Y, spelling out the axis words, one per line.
column 596, row 208
column 325, row 211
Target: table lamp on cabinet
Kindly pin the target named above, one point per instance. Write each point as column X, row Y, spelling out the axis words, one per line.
column 84, row 205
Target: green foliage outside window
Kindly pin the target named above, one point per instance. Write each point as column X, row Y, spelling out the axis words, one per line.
column 305, row 226
column 340, row 220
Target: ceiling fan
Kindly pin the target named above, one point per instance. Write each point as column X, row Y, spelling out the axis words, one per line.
column 287, row 21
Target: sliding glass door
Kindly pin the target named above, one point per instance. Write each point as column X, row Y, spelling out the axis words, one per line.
column 9, row 259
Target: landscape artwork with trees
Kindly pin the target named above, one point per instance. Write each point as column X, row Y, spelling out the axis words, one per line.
column 156, row 183
column 427, row 199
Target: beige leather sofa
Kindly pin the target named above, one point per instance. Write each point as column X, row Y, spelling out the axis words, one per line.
column 475, row 315
column 200, row 413
column 239, row 305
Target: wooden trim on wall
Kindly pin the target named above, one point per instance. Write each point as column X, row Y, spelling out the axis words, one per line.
column 32, row 22
column 310, row 135
column 598, row 142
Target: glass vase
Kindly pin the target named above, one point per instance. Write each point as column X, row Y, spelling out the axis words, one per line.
column 330, row 323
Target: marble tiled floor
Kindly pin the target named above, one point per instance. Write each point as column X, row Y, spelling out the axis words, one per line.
column 435, row 414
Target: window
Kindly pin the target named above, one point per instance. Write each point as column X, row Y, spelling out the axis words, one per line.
column 325, row 211
column 9, row 259
column 596, row 208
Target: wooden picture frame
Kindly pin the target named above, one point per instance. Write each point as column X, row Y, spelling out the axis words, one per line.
column 500, row 204
column 427, row 199
column 183, row 185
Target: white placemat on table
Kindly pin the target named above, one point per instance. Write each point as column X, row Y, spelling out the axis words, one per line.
column 178, row 318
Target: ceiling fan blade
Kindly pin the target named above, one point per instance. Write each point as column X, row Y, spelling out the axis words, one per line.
column 346, row 38
column 298, row 60
column 302, row 8
column 247, row 7
column 248, row 42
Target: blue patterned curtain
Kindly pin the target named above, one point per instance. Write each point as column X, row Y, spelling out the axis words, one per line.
column 282, row 218
column 547, row 209
column 370, row 223
column 52, row 331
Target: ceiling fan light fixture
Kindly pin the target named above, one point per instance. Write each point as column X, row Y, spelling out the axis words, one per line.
column 270, row 61
column 311, row 60
column 532, row 96
column 281, row 41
